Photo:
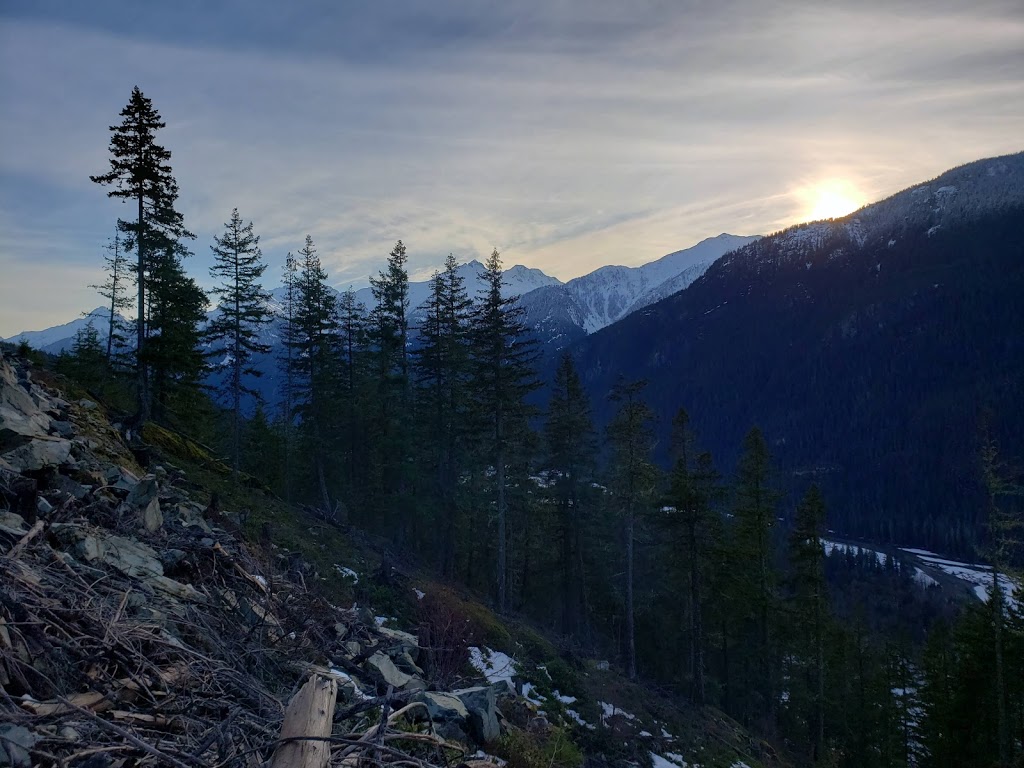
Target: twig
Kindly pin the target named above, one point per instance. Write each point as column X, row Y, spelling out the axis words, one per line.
column 32, row 533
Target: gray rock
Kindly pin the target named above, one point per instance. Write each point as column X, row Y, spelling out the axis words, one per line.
column 144, row 492
column 12, row 524
column 87, row 404
column 15, row 742
column 43, row 507
column 70, row 487
column 483, row 712
column 402, row 641
column 503, row 689
column 38, row 453
column 386, row 670
column 152, row 518
column 443, row 706
column 121, row 478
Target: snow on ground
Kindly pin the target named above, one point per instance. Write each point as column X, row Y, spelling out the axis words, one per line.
column 420, row 594
column 493, row 665
column 348, row 573
column 565, row 699
column 851, row 549
column 576, row 717
column 610, row 710
column 528, row 689
column 923, row 578
column 663, row 761
column 978, row 575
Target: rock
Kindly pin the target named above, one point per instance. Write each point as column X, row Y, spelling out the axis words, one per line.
column 602, row 666
column 121, row 478
column 483, row 712
column 12, row 524
column 15, row 742
column 69, row 734
column 43, row 507
column 405, row 663
column 340, row 630
column 443, row 706
column 63, row 428
column 38, row 453
column 70, row 487
column 403, row 641
column 131, row 557
column 386, row 670
column 503, row 689
column 144, row 492
column 152, row 518
column 352, row 648
column 87, row 404
column 171, row 558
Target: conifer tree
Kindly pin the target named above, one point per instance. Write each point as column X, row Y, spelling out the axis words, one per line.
column 115, row 290
column 311, row 344
column 351, row 344
column 289, row 339
column 242, row 312
column 175, row 310
column 754, row 517
column 442, row 368
column 502, row 362
column 140, row 171
column 810, row 607
column 633, row 482
column 693, row 486
column 86, row 362
column 571, row 455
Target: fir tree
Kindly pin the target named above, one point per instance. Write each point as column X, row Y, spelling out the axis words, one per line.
column 289, row 339
column 809, row 609
column 442, row 368
column 571, row 456
column 633, row 482
column 115, row 290
column 502, row 364
column 242, row 312
column 140, row 172
column 311, row 344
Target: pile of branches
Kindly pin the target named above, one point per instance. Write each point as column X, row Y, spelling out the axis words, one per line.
column 102, row 667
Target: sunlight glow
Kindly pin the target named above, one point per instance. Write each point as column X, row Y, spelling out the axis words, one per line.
column 831, row 199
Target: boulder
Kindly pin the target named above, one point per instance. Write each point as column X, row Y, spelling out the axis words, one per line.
column 143, row 493
column 402, row 641
column 38, row 453
column 386, row 670
column 483, row 712
column 443, row 706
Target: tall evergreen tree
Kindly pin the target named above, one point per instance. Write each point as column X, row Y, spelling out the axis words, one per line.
column 175, row 310
column 242, row 312
column 503, row 358
column 754, row 512
column 809, row 611
column 115, row 290
column 442, row 367
column 571, row 456
column 311, row 345
column 289, row 338
column 351, row 342
column 693, row 486
column 633, row 482
column 140, row 171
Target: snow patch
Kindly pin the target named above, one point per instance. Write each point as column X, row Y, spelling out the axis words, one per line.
column 493, row 665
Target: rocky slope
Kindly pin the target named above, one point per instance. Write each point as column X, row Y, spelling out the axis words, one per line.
column 139, row 627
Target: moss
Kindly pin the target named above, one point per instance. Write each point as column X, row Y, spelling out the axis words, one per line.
column 553, row 749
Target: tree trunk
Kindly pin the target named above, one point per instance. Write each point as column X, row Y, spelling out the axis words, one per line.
column 630, row 628
column 141, row 378
column 308, row 720
column 696, row 622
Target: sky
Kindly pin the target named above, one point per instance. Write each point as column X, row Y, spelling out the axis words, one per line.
column 569, row 134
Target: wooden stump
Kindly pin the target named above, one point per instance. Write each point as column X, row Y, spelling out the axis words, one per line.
column 310, row 715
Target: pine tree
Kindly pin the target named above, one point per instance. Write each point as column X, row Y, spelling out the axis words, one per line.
column 175, row 310
column 115, row 290
column 502, row 363
column 289, row 339
column 242, row 312
column 571, row 456
column 754, row 516
column 442, row 369
column 140, row 172
column 86, row 362
column 388, row 338
column 311, row 345
column 810, row 608
column 633, row 482
column 351, row 343
column 693, row 487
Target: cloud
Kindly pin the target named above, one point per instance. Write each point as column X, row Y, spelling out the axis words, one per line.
column 567, row 134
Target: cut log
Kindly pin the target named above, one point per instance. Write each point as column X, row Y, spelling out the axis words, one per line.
column 309, row 717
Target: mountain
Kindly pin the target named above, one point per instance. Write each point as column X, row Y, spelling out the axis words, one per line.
column 867, row 348
column 561, row 314
column 59, row 338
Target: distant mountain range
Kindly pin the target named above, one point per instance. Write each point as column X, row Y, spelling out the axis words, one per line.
column 869, row 349
column 582, row 305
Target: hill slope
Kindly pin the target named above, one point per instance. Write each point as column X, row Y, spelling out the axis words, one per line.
column 866, row 348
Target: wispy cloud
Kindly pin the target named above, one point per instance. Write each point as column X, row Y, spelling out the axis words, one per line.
column 569, row 134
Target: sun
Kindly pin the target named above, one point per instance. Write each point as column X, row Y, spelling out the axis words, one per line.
column 831, row 199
